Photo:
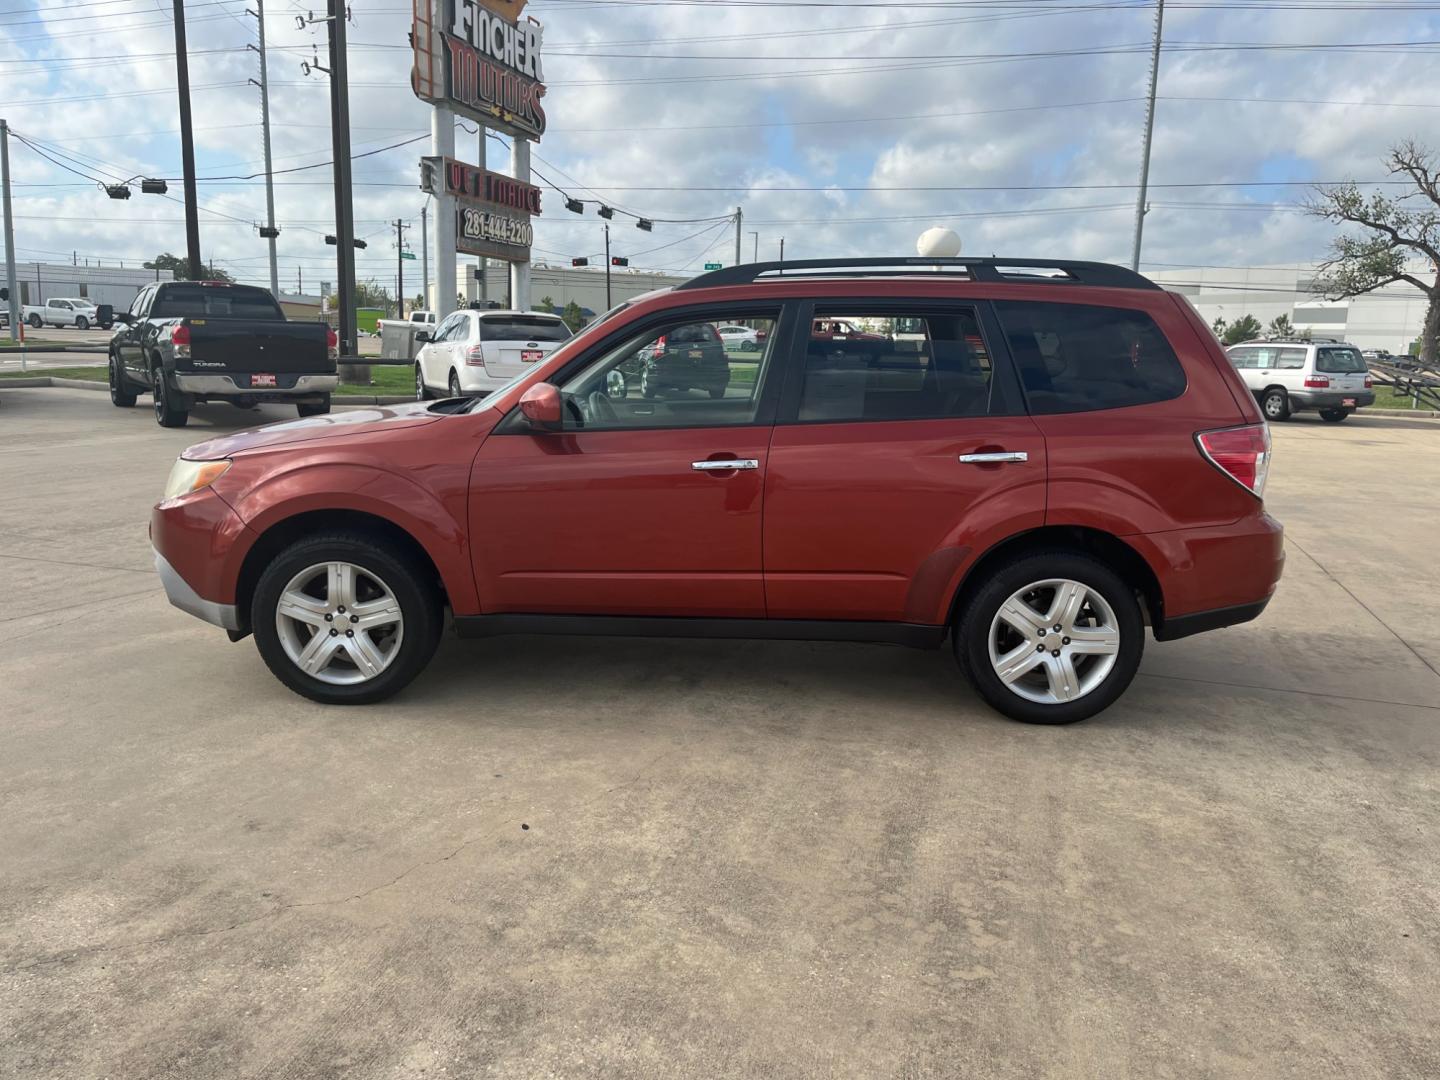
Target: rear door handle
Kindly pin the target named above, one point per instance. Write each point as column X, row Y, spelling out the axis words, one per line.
column 997, row 458
column 725, row 463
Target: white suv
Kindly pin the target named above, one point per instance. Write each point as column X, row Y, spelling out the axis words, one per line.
column 1290, row 376
column 474, row 352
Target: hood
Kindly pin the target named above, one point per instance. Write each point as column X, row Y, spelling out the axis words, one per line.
column 330, row 426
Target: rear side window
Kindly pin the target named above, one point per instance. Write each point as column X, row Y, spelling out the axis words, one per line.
column 1344, row 361
column 1080, row 358
column 522, row 328
column 879, row 366
column 215, row 302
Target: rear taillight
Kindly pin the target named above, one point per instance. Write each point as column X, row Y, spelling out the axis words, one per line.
column 1369, row 383
column 180, row 339
column 475, row 355
column 1241, row 453
column 660, row 343
column 1317, row 382
column 332, row 343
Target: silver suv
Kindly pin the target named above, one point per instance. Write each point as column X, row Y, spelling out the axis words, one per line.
column 1290, row 376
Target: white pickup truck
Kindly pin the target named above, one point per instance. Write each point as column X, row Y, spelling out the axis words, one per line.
column 63, row 311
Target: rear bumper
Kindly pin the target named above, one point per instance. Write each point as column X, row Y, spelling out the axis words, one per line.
column 1330, row 399
column 226, row 386
column 1216, row 576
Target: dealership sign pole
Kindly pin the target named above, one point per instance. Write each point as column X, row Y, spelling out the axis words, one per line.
column 479, row 59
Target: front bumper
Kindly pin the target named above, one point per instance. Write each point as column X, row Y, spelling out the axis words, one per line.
column 225, row 616
column 1330, row 399
column 226, row 386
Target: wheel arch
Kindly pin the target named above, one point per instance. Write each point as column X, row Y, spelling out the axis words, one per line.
column 281, row 534
column 1107, row 547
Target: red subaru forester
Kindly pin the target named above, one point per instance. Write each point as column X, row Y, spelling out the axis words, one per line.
column 1033, row 458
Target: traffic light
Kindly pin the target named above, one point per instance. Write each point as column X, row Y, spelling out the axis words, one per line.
column 616, row 260
column 579, row 262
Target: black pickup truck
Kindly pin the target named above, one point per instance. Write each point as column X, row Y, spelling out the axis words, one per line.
column 191, row 341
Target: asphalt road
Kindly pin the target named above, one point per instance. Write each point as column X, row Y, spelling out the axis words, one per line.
column 610, row 858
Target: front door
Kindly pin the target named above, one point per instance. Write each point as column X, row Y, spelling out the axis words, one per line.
column 639, row 506
column 896, row 456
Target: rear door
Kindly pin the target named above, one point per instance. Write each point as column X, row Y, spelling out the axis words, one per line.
column 1343, row 366
column 511, row 344
column 895, row 459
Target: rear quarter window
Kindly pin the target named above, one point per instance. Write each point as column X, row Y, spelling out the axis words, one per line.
column 1340, row 361
column 1083, row 358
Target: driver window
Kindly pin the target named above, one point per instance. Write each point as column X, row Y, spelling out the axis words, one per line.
column 682, row 373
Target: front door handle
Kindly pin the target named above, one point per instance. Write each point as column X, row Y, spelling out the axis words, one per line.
column 997, row 458
column 725, row 463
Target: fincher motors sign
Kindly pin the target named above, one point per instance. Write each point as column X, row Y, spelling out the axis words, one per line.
column 482, row 61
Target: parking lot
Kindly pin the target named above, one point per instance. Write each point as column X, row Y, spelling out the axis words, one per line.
column 612, row 857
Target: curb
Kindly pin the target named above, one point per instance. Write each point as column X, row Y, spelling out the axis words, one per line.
column 1423, row 414
column 336, row 400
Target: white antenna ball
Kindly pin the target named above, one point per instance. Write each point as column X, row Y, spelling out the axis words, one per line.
column 938, row 243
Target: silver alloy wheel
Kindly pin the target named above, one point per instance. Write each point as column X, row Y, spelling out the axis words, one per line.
column 1054, row 641
column 339, row 623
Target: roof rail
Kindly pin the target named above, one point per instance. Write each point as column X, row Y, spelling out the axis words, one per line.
column 993, row 269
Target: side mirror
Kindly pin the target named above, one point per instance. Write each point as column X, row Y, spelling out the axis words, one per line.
column 615, row 384
column 540, row 405
column 422, row 336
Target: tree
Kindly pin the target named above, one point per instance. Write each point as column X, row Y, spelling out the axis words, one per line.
column 573, row 316
column 1398, row 230
column 1280, row 327
column 546, row 304
column 180, row 267
column 1242, row 329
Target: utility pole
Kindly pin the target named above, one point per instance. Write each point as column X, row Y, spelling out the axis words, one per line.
column 1149, row 132
column 400, row 228
column 425, row 255
column 755, row 254
column 187, row 146
column 739, row 217
column 480, row 267
column 608, row 303
column 520, row 271
column 782, row 249
column 344, row 209
column 259, row 14
column 442, row 144
column 13, row 304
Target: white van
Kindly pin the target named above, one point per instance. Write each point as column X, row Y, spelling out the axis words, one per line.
column 1291, row 376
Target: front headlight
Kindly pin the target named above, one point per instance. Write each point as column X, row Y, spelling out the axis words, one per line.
column 188, row 476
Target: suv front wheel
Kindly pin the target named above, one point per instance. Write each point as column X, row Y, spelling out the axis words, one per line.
column 1051, row 638
column 345, row 619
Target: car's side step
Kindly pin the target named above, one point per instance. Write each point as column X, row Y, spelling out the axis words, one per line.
column 913, row 635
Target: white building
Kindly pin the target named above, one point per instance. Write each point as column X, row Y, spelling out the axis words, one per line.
column 1389, row 318
column 111, row 285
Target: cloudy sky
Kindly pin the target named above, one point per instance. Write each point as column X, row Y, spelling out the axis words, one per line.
column 845, row 127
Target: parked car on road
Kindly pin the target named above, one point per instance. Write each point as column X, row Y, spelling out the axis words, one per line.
column 186, row 342
column 741, row 338
column 1071, row 460
column 1291, row 376
column 63, row 311
column 474, row 352
column 686, row 358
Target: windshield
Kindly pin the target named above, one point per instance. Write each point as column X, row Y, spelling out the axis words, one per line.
column 1346, row 361
column 215, row 302
column 522, row 328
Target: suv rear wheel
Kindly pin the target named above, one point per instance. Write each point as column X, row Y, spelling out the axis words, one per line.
column 1275, row 404
column 345, row 619
column 1051, row 638
column 320, row 408
column 167, row 413
column 1334, row 416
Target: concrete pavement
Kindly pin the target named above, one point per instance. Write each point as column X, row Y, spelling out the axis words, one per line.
column 609, row 858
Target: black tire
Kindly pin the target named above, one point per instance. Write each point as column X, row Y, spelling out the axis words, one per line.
column 454, row 384
column 1275, row 405
column 121, row 395
column 167, row 413
column 972, row 634
column 648, row 389
column 419, row 605
column 318, row 409
column 82, row 323
column 717, row 392
column 34, row 321
column 1334, row 416
column 422, row 392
